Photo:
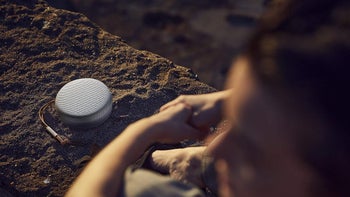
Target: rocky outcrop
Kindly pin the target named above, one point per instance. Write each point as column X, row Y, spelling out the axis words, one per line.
column 203, row 35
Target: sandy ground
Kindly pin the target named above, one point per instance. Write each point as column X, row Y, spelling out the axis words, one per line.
column 42, row 49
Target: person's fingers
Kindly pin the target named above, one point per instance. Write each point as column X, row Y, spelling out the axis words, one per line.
column 180, row 111
column 179, row 99
column 180, row 115
column 169, row 104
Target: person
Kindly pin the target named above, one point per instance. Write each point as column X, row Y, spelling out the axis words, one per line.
column 286, row 109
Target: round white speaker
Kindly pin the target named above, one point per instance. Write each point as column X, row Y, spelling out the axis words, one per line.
column 84, row 103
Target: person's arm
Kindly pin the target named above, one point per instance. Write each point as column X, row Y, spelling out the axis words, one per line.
column 207, row 108
column 182, row 164
column 104, row 174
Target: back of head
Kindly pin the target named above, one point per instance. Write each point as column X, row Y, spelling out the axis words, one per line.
column 304, row 46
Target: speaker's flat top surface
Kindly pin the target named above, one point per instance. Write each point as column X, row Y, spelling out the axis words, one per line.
column 82, row 97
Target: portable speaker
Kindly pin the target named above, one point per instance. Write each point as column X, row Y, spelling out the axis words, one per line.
column 84, row 103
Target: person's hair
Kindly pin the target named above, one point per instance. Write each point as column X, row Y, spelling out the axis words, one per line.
column 304, row 46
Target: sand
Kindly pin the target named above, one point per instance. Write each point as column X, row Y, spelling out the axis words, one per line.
column 43, row 48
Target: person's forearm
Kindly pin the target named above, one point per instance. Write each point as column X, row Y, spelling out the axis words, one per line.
column 104, row 174
column 221, row 96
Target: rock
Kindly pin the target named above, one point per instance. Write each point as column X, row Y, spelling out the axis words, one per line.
column 43, row 48
column 202, row 35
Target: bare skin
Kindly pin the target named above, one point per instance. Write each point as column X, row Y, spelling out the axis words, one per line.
column 269, row 127
column 181, row 164
column 184, row 164
column 207, row 108
column 259, row 155
column 169, row 126
column 103, row 175
column 256, row 157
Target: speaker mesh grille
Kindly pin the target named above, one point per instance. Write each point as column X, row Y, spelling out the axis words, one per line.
column 83, row 98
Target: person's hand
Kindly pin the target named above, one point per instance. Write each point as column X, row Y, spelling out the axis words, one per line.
column 104, row 174
column 206, row 108
column 171, row 125
column 183, row 164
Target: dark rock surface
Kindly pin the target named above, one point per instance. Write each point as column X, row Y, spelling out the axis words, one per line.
column 202, row 35
column 43, row 48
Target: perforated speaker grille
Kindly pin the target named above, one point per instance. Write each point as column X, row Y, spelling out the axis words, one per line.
column 84, row 102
